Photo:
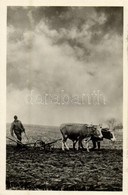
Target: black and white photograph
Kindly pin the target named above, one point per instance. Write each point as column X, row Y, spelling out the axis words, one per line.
column 64, row 102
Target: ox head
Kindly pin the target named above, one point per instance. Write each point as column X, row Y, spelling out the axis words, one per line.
column 108, row 134
column 97, row 131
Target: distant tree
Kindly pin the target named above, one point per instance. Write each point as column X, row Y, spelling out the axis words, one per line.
column 111, row 123
column 119, row 126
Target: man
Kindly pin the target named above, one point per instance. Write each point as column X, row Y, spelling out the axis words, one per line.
column 96, row 141
column 107, row 134
column 18, row 129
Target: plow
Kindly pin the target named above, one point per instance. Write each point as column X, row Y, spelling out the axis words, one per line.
column 38, row 143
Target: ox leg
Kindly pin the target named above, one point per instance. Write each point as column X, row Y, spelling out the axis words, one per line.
column 87, row 145
column 74, row 144
column 94, row 144
column 98, row 143
column 79, row 144
column 64, row 145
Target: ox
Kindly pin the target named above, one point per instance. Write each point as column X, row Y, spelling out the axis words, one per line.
column 78, row 132
column 107, row 134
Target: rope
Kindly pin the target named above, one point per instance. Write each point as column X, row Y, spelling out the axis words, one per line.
column 53, row 142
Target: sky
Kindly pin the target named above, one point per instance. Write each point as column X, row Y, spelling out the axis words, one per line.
column 64, row 64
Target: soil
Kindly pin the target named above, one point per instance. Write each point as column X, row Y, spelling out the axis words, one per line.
column 38, row 169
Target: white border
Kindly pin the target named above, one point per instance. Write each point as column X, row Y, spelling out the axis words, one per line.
column 3, row 25
column 125, row 100
column 64, row 2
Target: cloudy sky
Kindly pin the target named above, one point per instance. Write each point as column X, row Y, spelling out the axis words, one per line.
column 77, row 50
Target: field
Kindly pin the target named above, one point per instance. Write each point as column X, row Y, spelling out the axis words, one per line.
column 54, row 169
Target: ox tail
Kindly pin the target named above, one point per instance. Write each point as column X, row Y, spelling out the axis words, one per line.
column 63, row 132
column 64, row 138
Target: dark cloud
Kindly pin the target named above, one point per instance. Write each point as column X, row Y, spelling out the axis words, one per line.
column 61, row 17
column 17, row 16
column 54, row 15
column 98, row 21
column 67, row 17
column 114, row 22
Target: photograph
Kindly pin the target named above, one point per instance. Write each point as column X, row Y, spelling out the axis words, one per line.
column 64, row 98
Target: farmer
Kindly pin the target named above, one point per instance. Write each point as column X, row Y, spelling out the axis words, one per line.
column 18, row 129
